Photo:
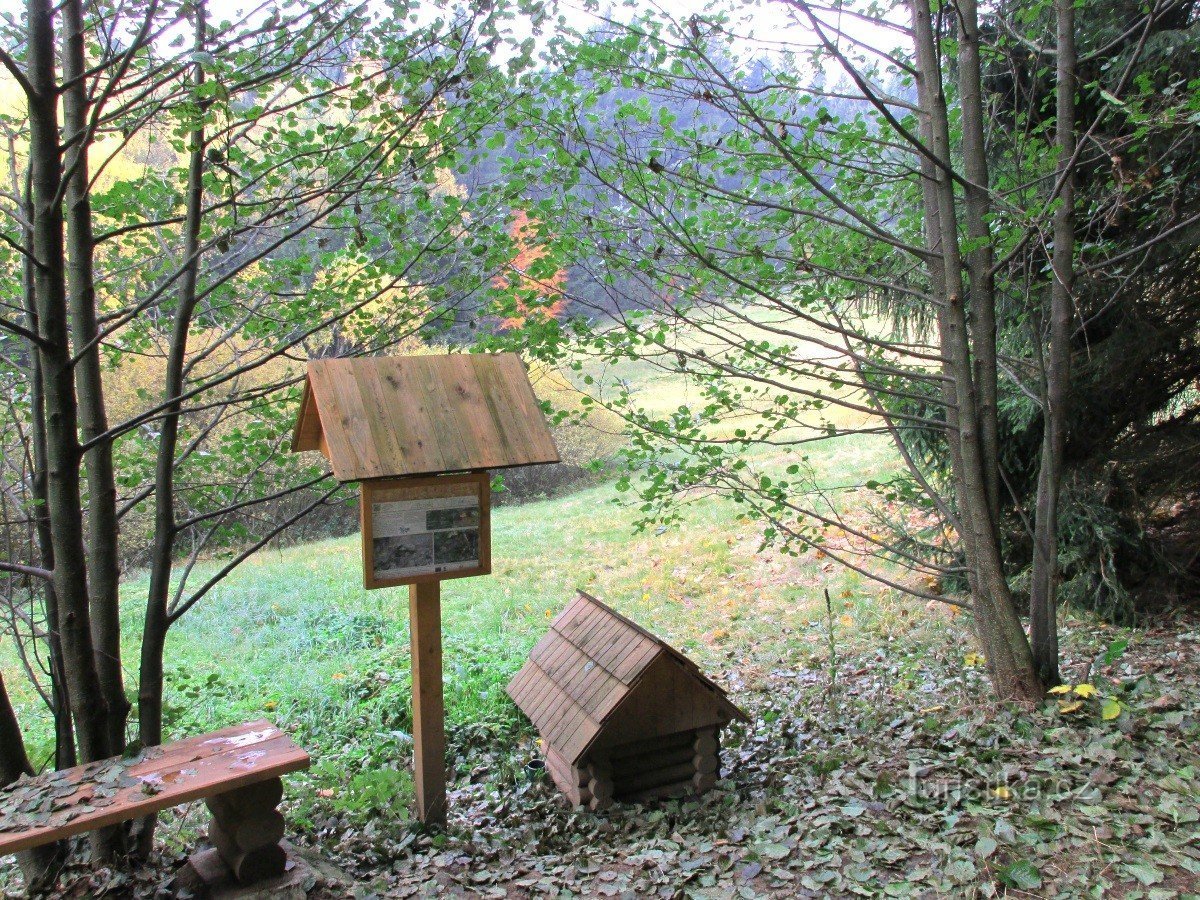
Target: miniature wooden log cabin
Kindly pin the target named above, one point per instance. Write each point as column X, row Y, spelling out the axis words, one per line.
column 622, row 715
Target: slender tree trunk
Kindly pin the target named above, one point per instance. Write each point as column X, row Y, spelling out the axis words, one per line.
column 926, row 97
column 64, row 731
column 64, row 502
column 157, row 621
column 1009, row 660
column 1043, row 595
column 980, row 258
column 37, row 865
column 103, row 565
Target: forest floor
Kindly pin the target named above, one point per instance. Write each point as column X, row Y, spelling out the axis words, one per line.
column 898, row 778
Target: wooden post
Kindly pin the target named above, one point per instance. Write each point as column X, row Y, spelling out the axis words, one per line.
column 429, row 726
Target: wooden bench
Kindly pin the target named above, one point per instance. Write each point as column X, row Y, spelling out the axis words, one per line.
column 237, row 771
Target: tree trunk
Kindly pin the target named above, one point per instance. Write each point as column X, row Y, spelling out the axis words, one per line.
column 60, row 706
column 1005, row 646
column 1043, row 595
column 103, row 565
column 64, row 503
column 980, row 258
column 157, row 621
column 40, row 864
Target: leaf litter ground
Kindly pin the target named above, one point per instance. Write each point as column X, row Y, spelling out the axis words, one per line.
column 902, row 779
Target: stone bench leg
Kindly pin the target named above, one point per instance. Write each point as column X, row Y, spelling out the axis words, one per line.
column 246, row 829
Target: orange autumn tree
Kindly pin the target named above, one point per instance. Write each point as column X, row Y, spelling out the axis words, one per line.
column 537, row 294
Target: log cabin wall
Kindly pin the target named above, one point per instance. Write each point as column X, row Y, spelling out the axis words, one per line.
column 622, row 714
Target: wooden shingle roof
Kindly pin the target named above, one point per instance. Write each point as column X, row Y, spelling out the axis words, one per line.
column 387, row 417
column 581, row 671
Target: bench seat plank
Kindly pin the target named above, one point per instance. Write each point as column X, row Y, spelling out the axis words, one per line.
column 57, row 805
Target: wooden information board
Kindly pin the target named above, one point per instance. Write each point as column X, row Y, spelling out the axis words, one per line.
column 391, row 423
column 425, row 529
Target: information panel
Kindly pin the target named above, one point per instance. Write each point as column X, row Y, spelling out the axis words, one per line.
column 425, row 529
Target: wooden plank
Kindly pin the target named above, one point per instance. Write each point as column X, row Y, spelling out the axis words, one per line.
column 508, row 426
column 460, row 381
column 422, row 415
column 453, row 438
column 562, row 706
column 594, row 689
column 307, row 435
column 410, row 404
column 392, row 436
column 579, row 741
column 550, row 712
column 630, row 766
column 577, row 607
column 535, row 690
column 585, row 618
column 549, row 692
column 582, row 686
column 611, row 641
column 544, row 692
column 565, row 720
column 593, row 638
column 192, row 769
column 650, row 745
column 678, row 789
column 357, row 428
column 341, row 417
column 518, row 391
column 597, row 641
column 627, row 663
column 629, row 668
column 606, row 693
column 655, row 777
column 574, row 722
column 520, row 685
column 429, row 726
column 578, row 675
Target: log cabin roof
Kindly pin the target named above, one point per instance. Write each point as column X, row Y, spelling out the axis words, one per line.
column 387, row 417
column 589, row 663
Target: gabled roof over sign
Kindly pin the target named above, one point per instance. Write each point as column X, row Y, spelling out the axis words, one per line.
column 590, row 663
column 386, row 417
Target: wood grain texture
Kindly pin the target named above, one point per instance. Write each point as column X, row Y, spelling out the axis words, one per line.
column 385, row 417
column 192, row 769
column 428, row 709
column 598, row 686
